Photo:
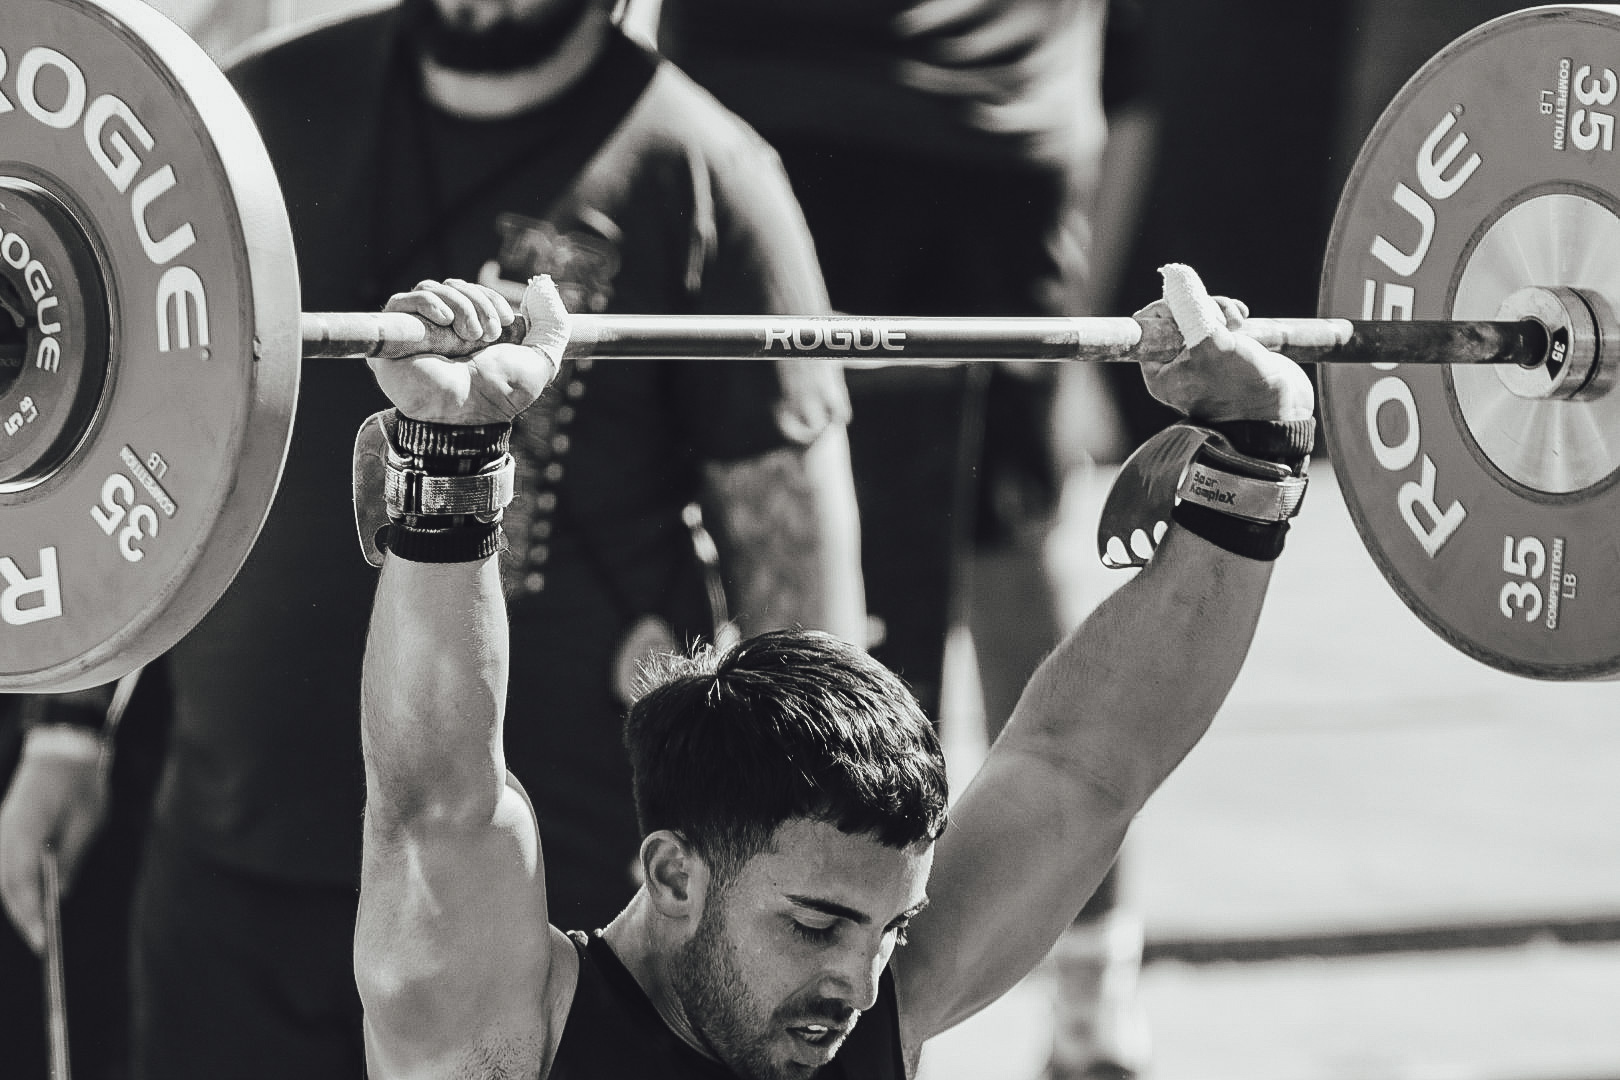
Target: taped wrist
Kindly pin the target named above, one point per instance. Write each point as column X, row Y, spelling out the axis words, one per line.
column 1241, row 488
column 446, row 487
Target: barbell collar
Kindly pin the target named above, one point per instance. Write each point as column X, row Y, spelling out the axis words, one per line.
column 939, row 340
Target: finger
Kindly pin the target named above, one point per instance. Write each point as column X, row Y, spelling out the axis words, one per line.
column 1234, row 310
column 1027, row 112
column 503, row 308
column 444, row 304
column 491, row 309
column 422, row 303
column 998, row 84
column 469, row 322
column 931, row 16
column 20, row 892
column 1010, row 33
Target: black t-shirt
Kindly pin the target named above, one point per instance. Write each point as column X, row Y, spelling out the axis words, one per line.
column 614, row 1032
column 683, row 210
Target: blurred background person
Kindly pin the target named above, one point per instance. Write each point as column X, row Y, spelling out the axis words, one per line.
column 659, row 502
column 78, row 773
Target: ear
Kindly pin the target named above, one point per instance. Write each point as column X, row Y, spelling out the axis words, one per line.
column 677, row 879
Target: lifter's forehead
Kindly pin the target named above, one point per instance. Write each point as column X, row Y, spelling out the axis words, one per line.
column 812, row 858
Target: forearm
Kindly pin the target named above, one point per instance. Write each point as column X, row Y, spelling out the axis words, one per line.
column 788, row 533
column 433, row 692
column 1128, row 694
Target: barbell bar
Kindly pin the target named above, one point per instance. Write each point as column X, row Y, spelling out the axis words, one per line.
column 150, row 366
column 1523, row 342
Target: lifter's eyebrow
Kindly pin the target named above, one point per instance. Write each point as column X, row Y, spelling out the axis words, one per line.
column 840, row 911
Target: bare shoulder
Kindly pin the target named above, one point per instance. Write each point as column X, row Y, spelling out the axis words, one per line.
column 561, row 984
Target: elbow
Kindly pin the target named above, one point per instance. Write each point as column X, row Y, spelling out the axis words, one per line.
column 415, row 808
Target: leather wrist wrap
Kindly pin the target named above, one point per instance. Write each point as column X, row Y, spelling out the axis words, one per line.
column 1250, row 539
column 457, row 543
column 1273, row 452
column 429, row 451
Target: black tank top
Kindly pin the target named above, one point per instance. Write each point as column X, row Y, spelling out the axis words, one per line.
column 614, row 1033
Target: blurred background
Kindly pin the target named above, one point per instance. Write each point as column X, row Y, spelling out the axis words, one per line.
column 1387, row 861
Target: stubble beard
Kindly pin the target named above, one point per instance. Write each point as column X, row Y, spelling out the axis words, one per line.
column 709, row 985
column 505, row 46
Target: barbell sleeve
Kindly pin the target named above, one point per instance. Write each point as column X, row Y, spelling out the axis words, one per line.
column 941, row 340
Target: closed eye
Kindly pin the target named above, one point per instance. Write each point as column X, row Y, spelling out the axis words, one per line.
column 816, row 935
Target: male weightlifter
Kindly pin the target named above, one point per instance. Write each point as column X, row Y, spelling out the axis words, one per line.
column 791, row 793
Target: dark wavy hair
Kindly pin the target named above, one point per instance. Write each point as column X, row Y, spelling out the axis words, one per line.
column 726, row 746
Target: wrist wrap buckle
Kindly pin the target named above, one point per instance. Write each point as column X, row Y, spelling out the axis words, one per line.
column 411, row 492
column 1199, row 469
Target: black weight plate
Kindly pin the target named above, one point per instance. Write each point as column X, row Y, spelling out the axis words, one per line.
column 111, row 555
column 1492, row 515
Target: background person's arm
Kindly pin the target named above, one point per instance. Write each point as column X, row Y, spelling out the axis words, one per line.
column 57, row 798
column 788, row 532
column 780, row 500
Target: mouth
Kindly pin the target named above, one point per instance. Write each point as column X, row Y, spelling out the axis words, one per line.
column 821, row 1040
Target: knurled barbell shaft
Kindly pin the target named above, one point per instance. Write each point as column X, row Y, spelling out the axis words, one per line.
column 936, row 340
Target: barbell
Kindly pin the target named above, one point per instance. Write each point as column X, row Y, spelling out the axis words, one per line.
column 151, row 341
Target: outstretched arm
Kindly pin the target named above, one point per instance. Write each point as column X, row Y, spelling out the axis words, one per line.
column 456, row 965
column 1101, row 724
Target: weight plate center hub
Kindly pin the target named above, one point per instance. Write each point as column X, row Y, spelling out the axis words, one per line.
column 53, row 333
column 1553, row 428
column 1487, row 495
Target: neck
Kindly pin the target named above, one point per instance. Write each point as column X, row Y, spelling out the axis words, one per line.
column 645, row 947
column 497, row 95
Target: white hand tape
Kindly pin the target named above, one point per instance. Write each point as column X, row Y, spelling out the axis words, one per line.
column 1197, row 315
column 548, row 318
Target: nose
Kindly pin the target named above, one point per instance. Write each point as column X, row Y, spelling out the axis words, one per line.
column 854, row 975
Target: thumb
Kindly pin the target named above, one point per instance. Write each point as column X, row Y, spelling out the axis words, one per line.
column 1195, row 312
column 548, row 330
